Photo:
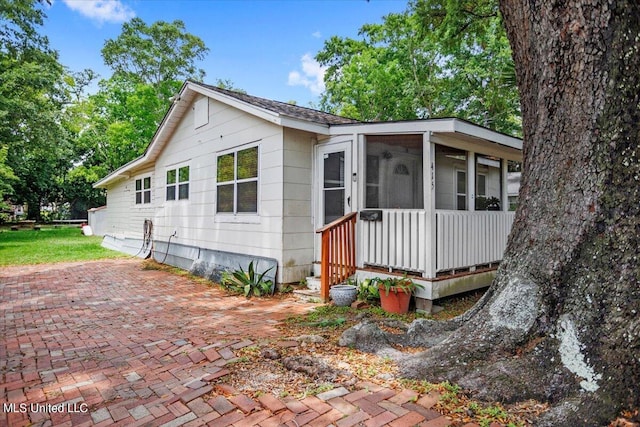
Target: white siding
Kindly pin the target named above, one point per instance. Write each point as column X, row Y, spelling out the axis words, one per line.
column 195, row 219
column 298, row 232
column 282, row 229
column 124, row 217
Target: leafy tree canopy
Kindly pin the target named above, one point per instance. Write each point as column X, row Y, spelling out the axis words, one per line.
column 149, row 64
column 156, row 53
column 440, row 58
column 31, row 98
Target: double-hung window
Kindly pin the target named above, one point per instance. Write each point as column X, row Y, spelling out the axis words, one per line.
column 178, row 183
column 143, row 190
column 237, row 182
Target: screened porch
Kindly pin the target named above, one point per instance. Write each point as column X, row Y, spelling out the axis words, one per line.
column 452, row 215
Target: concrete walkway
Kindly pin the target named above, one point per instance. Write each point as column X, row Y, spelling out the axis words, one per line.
column 107, row 343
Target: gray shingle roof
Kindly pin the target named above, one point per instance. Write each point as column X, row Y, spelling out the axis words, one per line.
column 290, row 110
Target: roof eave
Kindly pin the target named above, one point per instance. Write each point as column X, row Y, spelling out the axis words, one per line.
column 155, row 146
column 123, row 172
column 263, row 113
column 445, row 125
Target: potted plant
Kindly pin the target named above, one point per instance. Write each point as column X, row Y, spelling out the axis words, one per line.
column 343, row 295
column 395, row 293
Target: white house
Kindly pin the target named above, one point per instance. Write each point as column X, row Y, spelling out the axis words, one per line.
column 229, row 178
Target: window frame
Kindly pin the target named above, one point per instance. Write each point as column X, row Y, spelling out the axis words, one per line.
column 177, row 184
column 235, row 215
column 142, row 191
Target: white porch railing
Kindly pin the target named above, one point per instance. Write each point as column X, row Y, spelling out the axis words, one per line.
column 398, row 241
column 465, row 239
column 462, row 239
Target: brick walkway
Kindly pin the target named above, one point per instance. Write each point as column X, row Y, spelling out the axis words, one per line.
column 107, row 343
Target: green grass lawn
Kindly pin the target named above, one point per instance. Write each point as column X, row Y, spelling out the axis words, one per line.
column 50, row 245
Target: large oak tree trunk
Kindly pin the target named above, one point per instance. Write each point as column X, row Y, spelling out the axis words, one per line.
column 561, row 321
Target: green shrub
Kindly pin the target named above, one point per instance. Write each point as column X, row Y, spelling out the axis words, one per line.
column 249, row 283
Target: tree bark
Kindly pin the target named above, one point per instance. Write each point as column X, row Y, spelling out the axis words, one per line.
column 560, row 323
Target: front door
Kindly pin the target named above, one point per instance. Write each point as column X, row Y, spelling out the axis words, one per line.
column 334, row 166
column 333, row 186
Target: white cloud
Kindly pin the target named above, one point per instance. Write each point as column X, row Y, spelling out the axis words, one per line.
column 312, row 76
column 112, row 11
column 317, row 34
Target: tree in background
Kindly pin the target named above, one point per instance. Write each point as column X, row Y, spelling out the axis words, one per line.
column 31, row 97
column 55, row 140
column 440, row 58
column 115, row 125
column 149, row 63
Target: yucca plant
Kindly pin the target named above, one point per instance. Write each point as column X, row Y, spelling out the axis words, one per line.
column 249, row 283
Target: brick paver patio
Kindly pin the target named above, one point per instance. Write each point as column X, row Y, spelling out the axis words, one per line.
column 108, row 343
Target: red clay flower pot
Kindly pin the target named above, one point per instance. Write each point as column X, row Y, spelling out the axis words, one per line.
column 397, row 301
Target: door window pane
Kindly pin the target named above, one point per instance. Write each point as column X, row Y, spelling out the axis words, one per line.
column 334, row 170
column 461, row 190
column 461, row 183
column 462, row 203
column 482, row 185
column 333, row 205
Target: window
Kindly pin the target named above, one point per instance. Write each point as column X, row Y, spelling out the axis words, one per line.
column 143, row 190
column 461, row 190
column 237, row 182
column 178, row 183
column 481, row 183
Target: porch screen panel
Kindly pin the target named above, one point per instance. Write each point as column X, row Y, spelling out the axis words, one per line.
column 394, row 172
column 488, row 183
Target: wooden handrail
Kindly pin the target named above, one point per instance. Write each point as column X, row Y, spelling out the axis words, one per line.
column 338, row 252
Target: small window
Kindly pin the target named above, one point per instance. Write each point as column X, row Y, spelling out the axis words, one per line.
column 461, row 190
column 482, row 185
column 237, row 182
column 178, row 183
column 401, row 169
column 143, row 190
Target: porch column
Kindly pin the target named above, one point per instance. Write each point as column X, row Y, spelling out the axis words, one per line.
column 361, row 185
column 504, row 168
column 471, row 181
column 429, row 203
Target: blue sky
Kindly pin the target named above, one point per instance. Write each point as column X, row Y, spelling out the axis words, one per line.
column 264, row 47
